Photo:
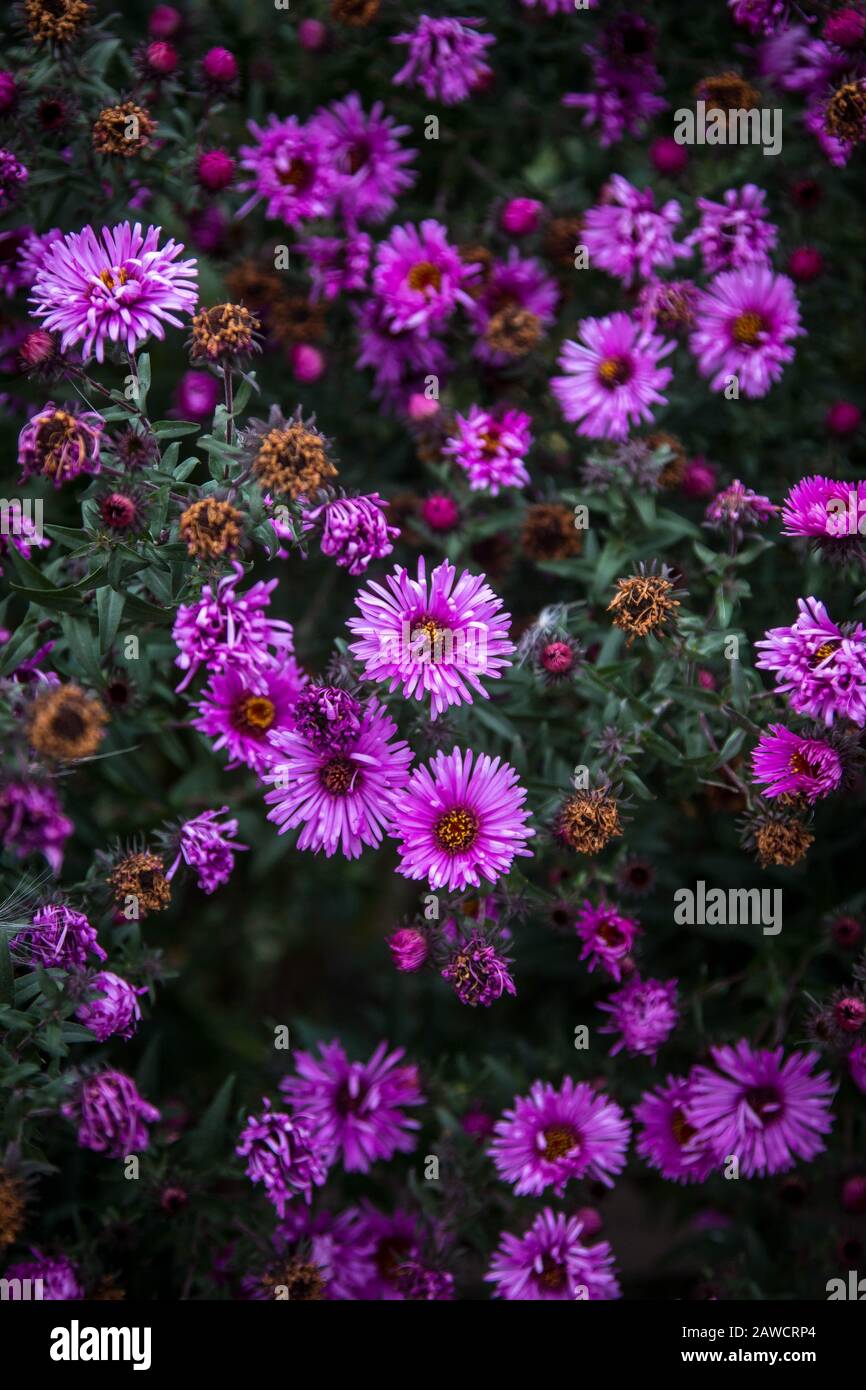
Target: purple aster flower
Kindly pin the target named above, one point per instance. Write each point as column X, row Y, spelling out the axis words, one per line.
column 401, row 361
column 338, row 1246
column 32, row 821
column 367, row 153
column 669, row 305
column 242, row 707
column 644, row 1014
column 830, row 511
column 551, row 1136
column 785, row 763
column 607, row 937
column 857, row 1066
column 627, row 237
column 328, row 717
column 224, row 628
column 613, row 376
column 283, row 1154
column 21, row 534
column 461, row 820
column 418, row 277
column 118, row 287
column 409, row 949
column 666, row 1139
column 34, row 253
column 446, row 58
column 625, row 81
column 290, row 171
column 759, row 16
column 735, row 232
column 60, row 936
column 60, row 442
column 517, row 283
column 355, row 1109
column 491, row 447
column 438, row 638
column 13, row 176
column 207, row 847
column 551, row 1261
column 110, row 1114
column 353, row 530
column 396, row 1264
column 57, row 1275
column 114, row 1011
column 337, row 265
column 342, row 796
column 745, row 321
column 820, row 668
column 767, row 1110
column 479, row 972
column 737, row 507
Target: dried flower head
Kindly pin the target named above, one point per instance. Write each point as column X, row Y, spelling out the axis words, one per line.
column 588, row 820
column 141, row 876
column 298, row 1279
column 289, row 457
column 11, row 1208
column 561, row 240
column 355, row 13
column 66, row 724
column 513, row 330
column 226, row 333
column 776, row 837
column 643, row 604
column 55, row 21
column 549, row 532
column 211, row 528
column 728, row 91
column 123, row 130
column 845, row 117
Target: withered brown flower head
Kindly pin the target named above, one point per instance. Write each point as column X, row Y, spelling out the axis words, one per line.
column 123, row 130
column 141, row 876
column 472, row 253
column 779, row 839
column 66, row 724
column 643, row 605
column 672, row 472
column 289, row 457
column 561, row 237
column 107, row 1291
column 845, row 118
column 549, row 532
column 296, row 319
column 303, row 1282
column 211, row 528
column 355, row 13
column 727, row 91
column 55, row 21
column 588, row 820
column 12, row 1207
column 513, row 330
column 225, row 333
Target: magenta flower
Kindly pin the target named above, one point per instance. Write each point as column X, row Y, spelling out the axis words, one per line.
column 644, row 1014
column 290, row 171
column 339, row 1246
column 458, row 823
column 209, row 848
column 409, row 949
column 784, row 763
column 745, row 322
column 241, row 708
column 607, row 937
column 857, row 1066
column 491, row 447
column 368, row 156
column 625, row 81
column 397, row 1258
column 283, row 1155
column 355, row 1109
column 33, row 254
column 627, row 237
column 13, row 177
column 60, row 442
column 401, row 361
column 353, row 530
column 551, row 1261
column 478, row 972
column 58, row 1275
column 438, row 638
column 738, row 507
column 820, row 668
column 735, row 232
column 446, row 58
column 224, row 628
column 32, row 821
column 337, row 265
column 517, row 283
column 344, row 796
column 114, row 1011
column 116, row 287
column 328, row 717
column 419, row 276
column 613, row 376
column 58, row 935
column 666, row 1139
column 759, row 16
column 828, row 510
column 552, row 1136
column 766, row 1110
column 110, row 1114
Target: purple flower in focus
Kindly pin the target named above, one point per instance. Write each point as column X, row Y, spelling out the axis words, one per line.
column 607, row 937
column 240, row 708
column 116, row 1013
column 479, row 972
column 283, row 1155
column 224, row 628
column 58, row 1276
column 745, row 322
column 644, row 1014
column 786, row 764
column 116, row 287
column 766, row 1109
column 110, row 1114
column 328, row 717
column 290, row 171
column 666, row 1139
column 627, row 237
column 613, row 377
column 446, row 58
column 209, row 848
column 32, row 821
column 551, row 1261
column 552, row 1136
column 354, row 530
column 821, row 669
column 366, row 152
column 419, row 276
column 60, row 936
column 461, row 820
column 828, row 510
column 355, row 1109
column 491, row 447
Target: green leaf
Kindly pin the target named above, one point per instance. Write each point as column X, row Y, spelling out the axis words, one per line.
column 7, row 979
column 174, row 429
column 109, row 606
column 207, row 1137
column 82, row 646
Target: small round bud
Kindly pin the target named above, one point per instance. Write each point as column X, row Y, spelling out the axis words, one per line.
column 667, row 157
column 308, row 363
column 220, row 66
column 520, row 216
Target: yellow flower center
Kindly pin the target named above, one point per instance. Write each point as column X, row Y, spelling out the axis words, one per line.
column 424, row 276
column 614, row 371
column 456, row 830
column 748, row 329
column 253, row 714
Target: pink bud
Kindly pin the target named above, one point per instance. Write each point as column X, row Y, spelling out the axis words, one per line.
column 706, row 680
column 805, row 264
column 846, row 28
column 8, row 92
column 197, row 394
column 520, row 216
column 161, row 57
column 440, row 512
column 421, row 407
column 843, row 418
column 308, row 363
column 216, row 169
column 590, row 1220
column 312, row 35
column 854, row 1193
column 699, row 478
column 164, row 22
column 409, row 949
column 220, row 66
column 667, row 156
